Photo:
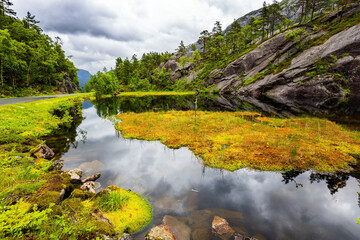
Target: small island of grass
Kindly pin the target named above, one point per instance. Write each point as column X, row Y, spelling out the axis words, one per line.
column 238, row 140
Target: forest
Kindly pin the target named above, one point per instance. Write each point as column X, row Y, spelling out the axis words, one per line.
column 30, row 61
column 213, row 49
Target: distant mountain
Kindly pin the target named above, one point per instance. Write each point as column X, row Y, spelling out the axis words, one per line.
column 83, row 76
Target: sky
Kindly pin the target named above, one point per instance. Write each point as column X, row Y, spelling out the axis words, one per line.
column 95, row 33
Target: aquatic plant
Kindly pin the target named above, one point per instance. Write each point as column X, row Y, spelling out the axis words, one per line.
column 251, row 141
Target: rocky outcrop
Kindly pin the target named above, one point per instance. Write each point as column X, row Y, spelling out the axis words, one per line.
column 303, row 83
column 295, row 83
column 67, row 86
column 180, row 71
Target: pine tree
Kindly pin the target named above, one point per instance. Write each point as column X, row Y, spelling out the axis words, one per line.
column 30, row 20
column 5, row 8
column 181, row 49
column 217, row 30
column 264, row 13
column 203, row 39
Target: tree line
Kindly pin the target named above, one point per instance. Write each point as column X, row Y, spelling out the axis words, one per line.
column 28, row 57
column 216, row 48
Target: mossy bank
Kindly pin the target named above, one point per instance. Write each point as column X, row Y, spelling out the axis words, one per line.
column 39, row 201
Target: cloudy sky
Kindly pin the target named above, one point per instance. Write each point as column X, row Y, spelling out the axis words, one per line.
column 96, row 32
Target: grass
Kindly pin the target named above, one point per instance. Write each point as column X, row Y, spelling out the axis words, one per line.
column 127, row 210
column 30, row 206
column 237, row 140
column 113, row 201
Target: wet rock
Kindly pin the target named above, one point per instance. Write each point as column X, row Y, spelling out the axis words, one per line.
column 159, row 232
column 75, row 176
column 222, row 229
column 92, row 178
column 177, row 228
column 89, row 187
column 44, row 152
column 56, row 165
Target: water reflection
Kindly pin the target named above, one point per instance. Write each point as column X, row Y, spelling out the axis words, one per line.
column 292, row 205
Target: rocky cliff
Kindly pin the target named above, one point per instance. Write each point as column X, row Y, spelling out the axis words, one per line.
column 315, row 70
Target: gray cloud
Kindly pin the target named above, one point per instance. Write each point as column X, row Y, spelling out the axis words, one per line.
column 95, row 32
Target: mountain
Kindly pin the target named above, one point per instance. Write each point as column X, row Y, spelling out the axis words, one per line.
column 83, row 76
column 287, row 11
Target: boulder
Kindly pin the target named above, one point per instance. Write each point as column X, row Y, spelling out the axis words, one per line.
column 75, row 176
column 222, row 229
column 92, row 178
column 89, row 186
column 44, row 152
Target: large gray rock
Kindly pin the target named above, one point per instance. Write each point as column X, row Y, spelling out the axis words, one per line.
column 293, row 83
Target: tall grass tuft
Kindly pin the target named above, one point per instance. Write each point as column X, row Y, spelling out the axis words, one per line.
column 113, row 201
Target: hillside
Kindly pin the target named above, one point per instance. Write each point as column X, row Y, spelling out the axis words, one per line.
column 300, row 67
column 31, row 62
column 83, row 76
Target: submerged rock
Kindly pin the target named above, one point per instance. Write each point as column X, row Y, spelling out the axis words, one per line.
column 172, row 229
column 177, row 228
column 159, row 232
column 222, row 229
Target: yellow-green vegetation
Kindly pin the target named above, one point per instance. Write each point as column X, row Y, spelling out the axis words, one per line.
column 21, row 126
column 29, row 193
column 127, row 210
column 31, row 206
column 141, row 94
column 237, row 140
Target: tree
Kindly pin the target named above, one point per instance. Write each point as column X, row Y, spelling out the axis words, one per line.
column 5, row 8
column 217, row 30
column 275, row 16
column 204, row 38
column 30, row 21
column 181, row 49
column 264, row 13
column 234, row 38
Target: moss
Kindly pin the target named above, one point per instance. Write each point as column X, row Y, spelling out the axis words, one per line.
column 104, row 228
column 48, row 198
column 73, row 205
column 77, row 193
column 133, row 215
column 256, row 142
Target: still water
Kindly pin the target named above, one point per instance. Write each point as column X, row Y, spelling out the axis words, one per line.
column 270, row 205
